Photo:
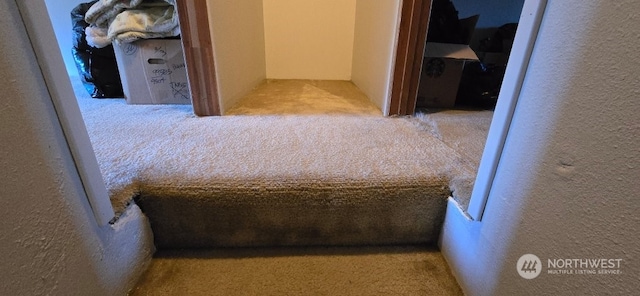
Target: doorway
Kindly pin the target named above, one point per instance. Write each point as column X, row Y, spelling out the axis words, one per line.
column 468, row 46
column 391, row 84
column 281, row 39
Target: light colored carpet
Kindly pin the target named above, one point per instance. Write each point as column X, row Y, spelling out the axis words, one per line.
column 303, row 97
column 308, row 271
column 465, row 131
column 332, row 179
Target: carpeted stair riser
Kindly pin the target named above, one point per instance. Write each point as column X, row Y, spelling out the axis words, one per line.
column 257, row 214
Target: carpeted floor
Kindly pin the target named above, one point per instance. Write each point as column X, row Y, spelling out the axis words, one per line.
column 463, row 130
column 299, row 271
column 304, row 97
column 344, row 178
column 128, row 139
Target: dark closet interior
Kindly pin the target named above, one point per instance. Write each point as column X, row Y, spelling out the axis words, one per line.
column 468, row 46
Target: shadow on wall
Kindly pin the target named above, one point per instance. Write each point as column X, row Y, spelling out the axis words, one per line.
column 60, row 15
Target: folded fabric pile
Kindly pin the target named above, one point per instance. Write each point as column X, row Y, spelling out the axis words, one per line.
column 125, row 21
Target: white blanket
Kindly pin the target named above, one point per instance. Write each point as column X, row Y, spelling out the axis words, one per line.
column 130, row 20
column 102, row 12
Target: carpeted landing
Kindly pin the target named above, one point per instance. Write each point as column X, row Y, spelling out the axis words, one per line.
column 335, row 179
column 408, row 270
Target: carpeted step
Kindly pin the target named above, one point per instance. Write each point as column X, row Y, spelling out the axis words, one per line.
column 298, row 181
column 296, row 213
column 284, row 180
column 276, row 180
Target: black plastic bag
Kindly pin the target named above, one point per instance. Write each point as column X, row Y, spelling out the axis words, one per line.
column 97, row 66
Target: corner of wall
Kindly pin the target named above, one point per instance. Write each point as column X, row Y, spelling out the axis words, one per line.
column 237, row 33
column 375, row 43
column 564, row 187
column 51, row 243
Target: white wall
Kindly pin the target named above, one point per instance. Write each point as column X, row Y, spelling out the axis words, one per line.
column 50, row 243
column 567, row 180
column 60, row 13
column 376, row 30
column 311, row 39
column 237, row 30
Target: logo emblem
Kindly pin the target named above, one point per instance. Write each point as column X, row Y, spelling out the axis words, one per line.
column 529, row 266
column 130, row 49
column 435, row 67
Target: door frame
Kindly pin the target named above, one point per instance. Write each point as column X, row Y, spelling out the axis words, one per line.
column 412, row 37
column 523, row 44
column 195, row 31
column 201, row 70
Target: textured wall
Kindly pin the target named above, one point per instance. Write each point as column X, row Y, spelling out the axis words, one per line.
column 310, row 39
column 50, row 243
column 566, row 186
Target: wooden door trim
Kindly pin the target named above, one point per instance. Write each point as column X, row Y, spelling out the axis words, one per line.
column 198, row 54
column 198, row 51
column 412, row 37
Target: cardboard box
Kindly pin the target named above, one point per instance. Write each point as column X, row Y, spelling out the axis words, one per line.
column 153, row 71
column 441, row 73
